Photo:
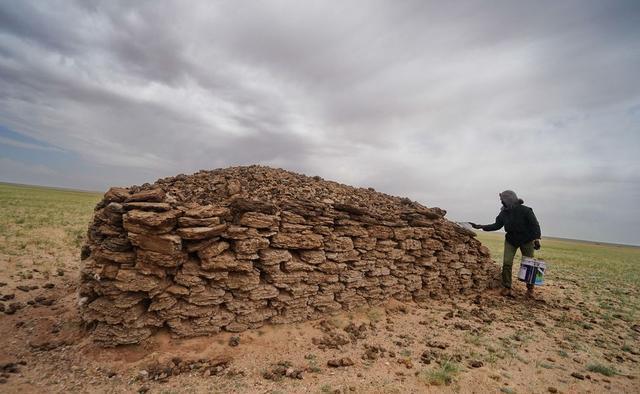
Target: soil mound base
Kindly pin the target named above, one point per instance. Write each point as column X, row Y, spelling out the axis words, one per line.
column 233, row 249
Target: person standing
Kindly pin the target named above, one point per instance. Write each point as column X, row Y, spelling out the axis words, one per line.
column 523, row 232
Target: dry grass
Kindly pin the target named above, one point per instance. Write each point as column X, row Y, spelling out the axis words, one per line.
column 42, row 225
column 443, row 375
column 607, row 275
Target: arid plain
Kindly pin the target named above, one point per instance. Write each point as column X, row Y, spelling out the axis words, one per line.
column 582, row 335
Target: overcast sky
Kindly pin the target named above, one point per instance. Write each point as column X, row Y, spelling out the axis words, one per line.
column 446, row 102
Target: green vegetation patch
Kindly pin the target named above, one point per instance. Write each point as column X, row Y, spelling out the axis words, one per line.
column 602, row 369
column 443, row 375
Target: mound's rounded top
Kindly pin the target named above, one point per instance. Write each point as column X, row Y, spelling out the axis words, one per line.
column 282, row 189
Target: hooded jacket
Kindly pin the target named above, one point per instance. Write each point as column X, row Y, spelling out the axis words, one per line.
column 518, row 220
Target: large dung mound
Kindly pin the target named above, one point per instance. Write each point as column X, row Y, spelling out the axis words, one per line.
column 236, row 248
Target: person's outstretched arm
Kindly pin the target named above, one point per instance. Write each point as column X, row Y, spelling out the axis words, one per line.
column 490, row 227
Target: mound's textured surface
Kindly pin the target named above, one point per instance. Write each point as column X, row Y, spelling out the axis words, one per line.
column 240, row 247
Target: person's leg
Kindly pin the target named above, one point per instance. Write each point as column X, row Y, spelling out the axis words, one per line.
column 507, row 265
column 527, row 250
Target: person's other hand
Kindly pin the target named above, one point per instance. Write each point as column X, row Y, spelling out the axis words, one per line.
column 476, row 226
column 536, row 244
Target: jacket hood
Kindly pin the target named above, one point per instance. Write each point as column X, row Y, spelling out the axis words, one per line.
column 510, row 199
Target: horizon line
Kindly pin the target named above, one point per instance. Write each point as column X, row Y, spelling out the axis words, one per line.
column 457, row 222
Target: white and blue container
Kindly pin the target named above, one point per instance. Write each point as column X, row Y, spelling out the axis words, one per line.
column 532, row 271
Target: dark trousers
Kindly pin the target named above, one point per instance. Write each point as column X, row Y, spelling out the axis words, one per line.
column 507, row 262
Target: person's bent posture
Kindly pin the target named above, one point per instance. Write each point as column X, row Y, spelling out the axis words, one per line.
column 523, row 231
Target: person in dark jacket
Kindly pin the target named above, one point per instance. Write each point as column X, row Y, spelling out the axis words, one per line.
column 523, row 232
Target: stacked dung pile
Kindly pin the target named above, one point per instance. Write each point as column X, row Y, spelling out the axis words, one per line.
column 233, row 249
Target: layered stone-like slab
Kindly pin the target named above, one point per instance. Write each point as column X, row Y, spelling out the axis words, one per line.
column 234, row 249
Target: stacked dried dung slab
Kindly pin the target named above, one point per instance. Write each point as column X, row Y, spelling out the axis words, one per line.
column 236, row 248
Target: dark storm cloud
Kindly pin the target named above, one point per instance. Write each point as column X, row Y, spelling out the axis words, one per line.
column 445, row 102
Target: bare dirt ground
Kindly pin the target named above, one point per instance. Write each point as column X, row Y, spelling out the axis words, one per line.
column 583, row 337
column 482, row 344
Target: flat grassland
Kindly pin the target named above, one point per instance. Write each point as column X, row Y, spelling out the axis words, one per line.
column 601, row 270
column 43, row 226
column 582, row 336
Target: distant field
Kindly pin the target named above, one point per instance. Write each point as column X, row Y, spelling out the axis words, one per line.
column 598, row 262
column 43, row 224
column 596, row 267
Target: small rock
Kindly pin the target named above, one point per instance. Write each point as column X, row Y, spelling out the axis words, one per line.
column 406, row 362
column 540, row 323
column 437, row 344
column 13, row 307
column 476, row 364
column 426, row 357
column 24, row 288
column 60, row 272
column 462, row 326
column 3, row 284
column 8, row 297
column 234, row 341
column 343, row 362
column 48, row 286
column 346, row 362
column 333, row 363
column 552, row 389
column 143, row 374
column 11, row 367
column 577, row 375
column 143, row 389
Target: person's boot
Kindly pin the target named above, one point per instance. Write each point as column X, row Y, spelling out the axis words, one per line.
column 530, row 293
